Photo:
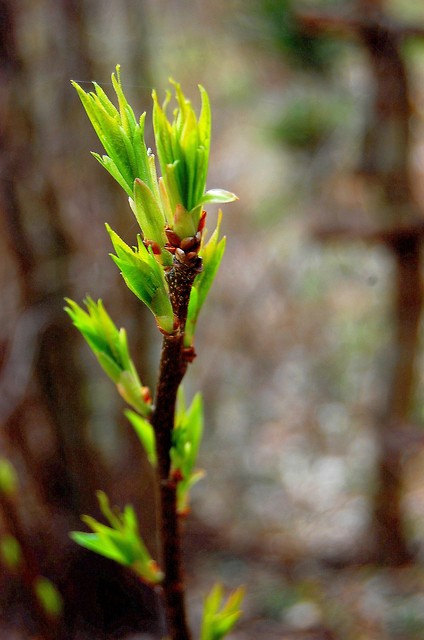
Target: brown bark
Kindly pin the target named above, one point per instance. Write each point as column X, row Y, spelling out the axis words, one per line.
column 173, row 365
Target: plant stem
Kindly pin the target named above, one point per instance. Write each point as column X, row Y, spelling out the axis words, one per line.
column 173, row 365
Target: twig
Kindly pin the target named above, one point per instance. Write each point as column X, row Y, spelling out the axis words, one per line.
column 173, row 365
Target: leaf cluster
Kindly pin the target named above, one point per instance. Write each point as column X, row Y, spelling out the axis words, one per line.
column 219, row 618
column 186, row 439
column 120, row 541
column 172, row 203
column 109, row 345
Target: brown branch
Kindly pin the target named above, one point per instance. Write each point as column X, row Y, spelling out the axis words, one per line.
column 173, row 365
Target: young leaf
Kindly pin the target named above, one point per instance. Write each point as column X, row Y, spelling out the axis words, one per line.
column 146, row 435
column 48, row 596
column 186, row 438
column 218, row 196
column 8, row 478
column 109, row 345
column 145, row 277
column 149, row 215
column 219, row 618
column 120, row 541
column 10, row 551
column 212, row 254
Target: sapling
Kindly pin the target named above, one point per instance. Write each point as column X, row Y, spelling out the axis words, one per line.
column 170, row 269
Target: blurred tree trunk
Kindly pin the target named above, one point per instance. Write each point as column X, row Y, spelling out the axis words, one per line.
column 44, row 401
column 387, row 152
column 398, row 224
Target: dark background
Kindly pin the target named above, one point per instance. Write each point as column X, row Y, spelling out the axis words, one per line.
column 308, row 348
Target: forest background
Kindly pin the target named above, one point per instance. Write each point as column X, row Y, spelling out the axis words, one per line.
column 314, row 495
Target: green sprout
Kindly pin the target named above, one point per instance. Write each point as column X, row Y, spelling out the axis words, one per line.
column 218, row 618
column 48, row 596
column 10, row 551
column 110, row 347
column 186, row 438
column 120, row 541
column 8, row 478
column 171, row 270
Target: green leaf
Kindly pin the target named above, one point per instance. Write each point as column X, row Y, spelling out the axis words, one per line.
column 8, row 478
column 212, row 254
column 110, row 347
column 108, row 164
column 205, row 120
column 219, row 618
column 107, row 105
column 146, row 435
column 183, row 144
column 149, row 215
column 133, row 393
column 218, row 196
column 109, row 131
column 120, row 541
column 48, row 596
column 142, row 154
column 10, row 551
column 186, row 439
column 128, row 120
column 120, row 134
column 145, row 278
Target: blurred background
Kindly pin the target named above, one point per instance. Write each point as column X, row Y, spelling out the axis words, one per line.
column 309, row 347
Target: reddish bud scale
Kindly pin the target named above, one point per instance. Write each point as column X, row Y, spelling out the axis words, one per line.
column 188, row 243
column 155, row 247
column 189, row 354
column 173, row 238
column 146, row 395
column 177, row 476
column 202, row 222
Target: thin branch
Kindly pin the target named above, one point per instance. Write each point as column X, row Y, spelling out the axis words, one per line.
column 173, row 365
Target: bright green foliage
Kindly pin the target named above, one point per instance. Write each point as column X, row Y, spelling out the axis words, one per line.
column 48, row 596
column 218, row 618
column 174, row 202
column 169, row 213
column 120, row 542
column 8, row 478
column 146, row 435
column 183, row 146
column 146, row 208
column 212, row 253
column 120, row 134
column 186, row 439
column 110, row 347
column 183, row 149
column 10, row 551
column 145, row 277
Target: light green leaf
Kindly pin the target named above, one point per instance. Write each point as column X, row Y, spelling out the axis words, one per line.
column 10, row 551
column 48, row 596
column 212, row 254
column 108, row 164
column 218, row 196
column 145, row 278
column 120, row 541
column 8, row 478
column 219, row 618
column 186, row 438
column 149, row 214
column 146, row 435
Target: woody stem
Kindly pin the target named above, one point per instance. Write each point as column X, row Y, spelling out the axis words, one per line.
column 173, row 366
